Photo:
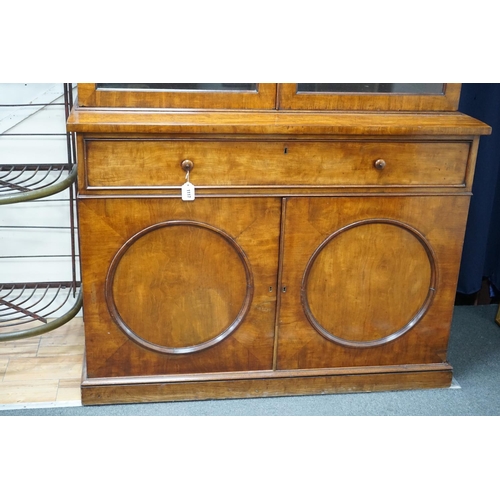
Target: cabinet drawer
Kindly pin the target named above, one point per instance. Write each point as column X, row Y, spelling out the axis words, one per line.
column 129, row 163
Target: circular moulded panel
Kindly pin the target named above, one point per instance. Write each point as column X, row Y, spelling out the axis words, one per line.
column 179, row 286
column 369, row 283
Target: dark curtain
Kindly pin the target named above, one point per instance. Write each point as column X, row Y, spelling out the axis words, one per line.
column 481, row 253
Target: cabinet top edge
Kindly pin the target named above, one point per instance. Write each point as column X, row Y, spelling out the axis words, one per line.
column 274, row 122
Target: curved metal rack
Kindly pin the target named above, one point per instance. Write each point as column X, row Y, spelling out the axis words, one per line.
column 20, row 183
column 24, row 308
column 39, row 304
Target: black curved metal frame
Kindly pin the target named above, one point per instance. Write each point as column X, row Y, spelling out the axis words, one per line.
column 23, row 303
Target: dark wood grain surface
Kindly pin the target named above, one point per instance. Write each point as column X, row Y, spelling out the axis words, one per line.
column 320, row 255
column 116, row 163
column 290, row 99
column 263, row 98
column 179, row 286
column 371, row 280
column 105, row 121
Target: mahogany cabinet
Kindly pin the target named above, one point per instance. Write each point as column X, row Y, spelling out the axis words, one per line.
column 319, row 252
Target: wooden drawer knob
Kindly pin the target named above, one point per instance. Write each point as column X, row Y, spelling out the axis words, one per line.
column 187, row 165
column 379, row 164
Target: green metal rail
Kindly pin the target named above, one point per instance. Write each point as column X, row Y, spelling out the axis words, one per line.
column 41, row 192
column 39, row 330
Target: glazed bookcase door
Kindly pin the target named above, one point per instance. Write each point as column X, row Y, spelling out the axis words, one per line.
column 368, row 281
column 178, row 95
column 177, row 287
column 369, row 96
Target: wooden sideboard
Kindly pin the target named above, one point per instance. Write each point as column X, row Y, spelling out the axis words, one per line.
column 320, row 254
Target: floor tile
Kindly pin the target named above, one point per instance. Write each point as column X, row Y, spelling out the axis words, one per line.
column 60, row 350
column 70, row 383
column 69, row 390
column 3, row 366
column 34, row 391
column 52, row 368
column 19, row 349
column 42, row 370
column 69, row 334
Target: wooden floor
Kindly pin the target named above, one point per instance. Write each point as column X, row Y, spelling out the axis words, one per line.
column 43, row 370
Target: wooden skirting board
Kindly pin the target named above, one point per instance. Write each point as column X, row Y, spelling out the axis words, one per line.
column 271, row 384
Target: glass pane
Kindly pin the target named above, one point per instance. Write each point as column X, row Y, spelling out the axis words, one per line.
column 393, row 88
column 224, row 87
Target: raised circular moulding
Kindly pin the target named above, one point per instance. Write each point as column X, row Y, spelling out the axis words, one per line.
column 369, row 283
column 178, row 287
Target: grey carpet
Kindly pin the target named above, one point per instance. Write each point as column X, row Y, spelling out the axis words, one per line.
column 474, row 353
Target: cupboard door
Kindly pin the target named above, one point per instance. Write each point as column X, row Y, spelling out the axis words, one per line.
column 178, row 95
column 370, row 96
column 173, row 287
column 369, row 281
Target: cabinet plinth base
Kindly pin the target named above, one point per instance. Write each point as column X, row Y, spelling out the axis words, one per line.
column 161, row 389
